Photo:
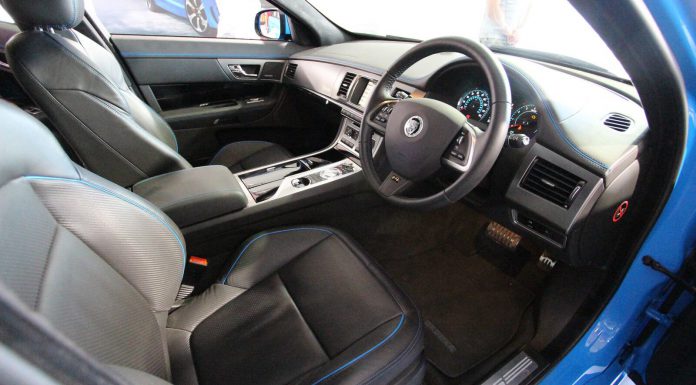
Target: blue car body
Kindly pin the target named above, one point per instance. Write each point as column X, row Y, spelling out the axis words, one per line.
column 177, row 8
column 595, row 357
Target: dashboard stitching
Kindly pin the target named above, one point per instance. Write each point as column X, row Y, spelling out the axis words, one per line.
column 555, row 124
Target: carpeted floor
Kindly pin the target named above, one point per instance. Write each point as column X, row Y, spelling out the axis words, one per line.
column 470, row 308
column 476, row 298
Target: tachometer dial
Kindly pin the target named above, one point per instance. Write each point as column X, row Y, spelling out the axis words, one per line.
column 524, row 120
column 475, row 104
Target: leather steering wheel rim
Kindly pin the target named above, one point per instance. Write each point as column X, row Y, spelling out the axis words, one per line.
column 487, row 145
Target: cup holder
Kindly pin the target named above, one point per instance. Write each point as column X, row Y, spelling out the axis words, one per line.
column 300, row 182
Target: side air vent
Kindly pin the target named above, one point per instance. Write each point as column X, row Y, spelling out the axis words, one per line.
column 552, row 183
column 618, row 122
column 290, row 72
column 345, row 84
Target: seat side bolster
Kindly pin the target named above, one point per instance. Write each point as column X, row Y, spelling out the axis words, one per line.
column 267, row 252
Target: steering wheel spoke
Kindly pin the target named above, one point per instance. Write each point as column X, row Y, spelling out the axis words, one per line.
column 394, row 184
column 460, row 153
column 417, row 142
column 378, row 117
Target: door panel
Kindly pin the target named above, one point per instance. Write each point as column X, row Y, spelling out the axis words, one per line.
column 167, row 60
column 216, row 91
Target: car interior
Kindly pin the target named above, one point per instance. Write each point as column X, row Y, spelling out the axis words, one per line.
column 323, row 208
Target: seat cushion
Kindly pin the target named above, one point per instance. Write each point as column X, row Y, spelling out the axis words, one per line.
column 298, row 305
column 240, row 156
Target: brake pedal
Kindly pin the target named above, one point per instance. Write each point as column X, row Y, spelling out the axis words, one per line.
column 503, row 236
column 546, row 261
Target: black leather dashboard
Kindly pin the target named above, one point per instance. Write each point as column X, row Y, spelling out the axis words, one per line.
column 572, row 129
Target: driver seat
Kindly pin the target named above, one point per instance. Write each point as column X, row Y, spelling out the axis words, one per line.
column 301, row 305
column 82, row 88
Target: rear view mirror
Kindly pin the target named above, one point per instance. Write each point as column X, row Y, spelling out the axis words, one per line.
column 273, row 25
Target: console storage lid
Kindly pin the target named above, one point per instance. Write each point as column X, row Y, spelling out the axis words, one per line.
column 194, row 195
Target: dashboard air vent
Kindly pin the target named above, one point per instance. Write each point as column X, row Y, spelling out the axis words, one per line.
column 618, row 122
column 552, row 183
column 290, row 72
column 345, row 84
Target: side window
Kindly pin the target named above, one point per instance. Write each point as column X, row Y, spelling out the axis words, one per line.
column 5, row 17
column 235, row 19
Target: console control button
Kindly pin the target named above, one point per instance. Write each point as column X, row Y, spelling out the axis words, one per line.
column 383, row 114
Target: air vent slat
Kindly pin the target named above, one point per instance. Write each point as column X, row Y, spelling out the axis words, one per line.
column 552, row 183
column 539, row 187
column 290, row 72
column 568, row 180
column 618, row 122
column 547, row 182
column 345, row 84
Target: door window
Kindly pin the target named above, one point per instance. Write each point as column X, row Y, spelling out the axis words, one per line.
column 193, row 18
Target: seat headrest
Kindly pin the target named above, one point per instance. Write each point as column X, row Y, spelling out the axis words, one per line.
column 58, row 14
column 27, row 148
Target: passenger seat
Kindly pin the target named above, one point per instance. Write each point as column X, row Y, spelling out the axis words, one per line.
column 82, row 88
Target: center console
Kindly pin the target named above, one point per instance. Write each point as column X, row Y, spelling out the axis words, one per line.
column 337, row 162
column 202, row 195
column 349, row 136
column 288, row 178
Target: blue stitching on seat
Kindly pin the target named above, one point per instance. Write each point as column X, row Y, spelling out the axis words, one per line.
column 365, row 353
column 109, row 192
column 264, row 235
column 355, row 359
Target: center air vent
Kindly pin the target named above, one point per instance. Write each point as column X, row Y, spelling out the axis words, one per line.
column 618, row 122
column 345, row 84
column 290, row 72
column 552, row 183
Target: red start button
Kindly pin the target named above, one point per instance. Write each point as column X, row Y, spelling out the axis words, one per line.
column 620, row 211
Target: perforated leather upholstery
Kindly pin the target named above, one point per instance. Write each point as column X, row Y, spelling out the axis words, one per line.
column 103, row 266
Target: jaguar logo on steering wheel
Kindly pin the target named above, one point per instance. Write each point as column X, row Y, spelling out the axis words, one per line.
column 413, row 126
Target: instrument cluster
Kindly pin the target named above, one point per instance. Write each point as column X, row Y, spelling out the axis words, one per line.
column 475, row 104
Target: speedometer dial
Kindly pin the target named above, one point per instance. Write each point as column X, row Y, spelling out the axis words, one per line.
column 475, row 104
column 524, row 120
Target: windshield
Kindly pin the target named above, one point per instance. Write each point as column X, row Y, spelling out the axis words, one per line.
column 533, row 26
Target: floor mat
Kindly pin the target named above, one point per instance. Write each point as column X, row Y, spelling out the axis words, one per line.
column 470, row 308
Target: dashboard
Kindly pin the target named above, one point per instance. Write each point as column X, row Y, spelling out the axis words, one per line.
column 465, row 88
column 574, row 141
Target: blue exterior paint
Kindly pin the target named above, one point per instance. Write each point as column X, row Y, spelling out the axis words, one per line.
column 176, row 7
column 593, row 359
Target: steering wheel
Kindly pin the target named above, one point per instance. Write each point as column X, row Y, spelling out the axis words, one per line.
column 422, row 135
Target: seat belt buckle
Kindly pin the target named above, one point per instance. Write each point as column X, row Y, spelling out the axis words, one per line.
column 193, row 272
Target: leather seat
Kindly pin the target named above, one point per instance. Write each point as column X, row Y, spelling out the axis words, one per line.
column 82, row 88
column 300, row 305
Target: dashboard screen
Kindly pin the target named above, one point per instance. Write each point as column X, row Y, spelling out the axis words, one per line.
column 369, row 89
column 363, row 91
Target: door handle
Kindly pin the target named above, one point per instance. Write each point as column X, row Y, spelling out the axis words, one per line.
column 239, row 72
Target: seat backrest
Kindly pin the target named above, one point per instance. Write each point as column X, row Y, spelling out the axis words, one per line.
column 82, row 88
column 101, row 264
